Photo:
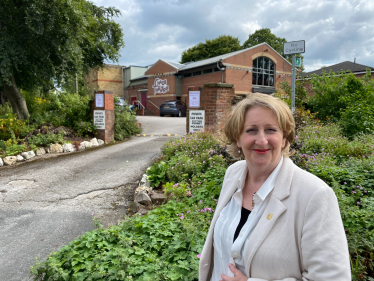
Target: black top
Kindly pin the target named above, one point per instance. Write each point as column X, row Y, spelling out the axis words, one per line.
column 243, row 219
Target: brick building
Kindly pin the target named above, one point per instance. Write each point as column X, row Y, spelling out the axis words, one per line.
column 108, row 78
column 256, row 69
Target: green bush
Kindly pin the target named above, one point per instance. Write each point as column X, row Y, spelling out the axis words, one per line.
column 125, row 124
column 45, row 140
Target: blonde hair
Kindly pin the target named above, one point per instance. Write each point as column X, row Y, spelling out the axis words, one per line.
column 235, row 123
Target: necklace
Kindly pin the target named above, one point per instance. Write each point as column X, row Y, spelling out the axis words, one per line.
column 253, row 200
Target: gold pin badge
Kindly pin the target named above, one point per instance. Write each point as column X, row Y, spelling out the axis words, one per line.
column 270, row 215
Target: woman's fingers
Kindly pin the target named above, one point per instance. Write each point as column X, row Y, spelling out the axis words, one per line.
column 238, row 275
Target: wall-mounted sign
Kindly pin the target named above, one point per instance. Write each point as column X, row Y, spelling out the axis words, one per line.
column 99, row 100
column 295, row 47
column 160, row 86
column 99, row 119
column 197, row 121
column 194, row 99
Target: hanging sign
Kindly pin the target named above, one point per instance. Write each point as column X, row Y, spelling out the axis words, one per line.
column 99, row 119
column 197, row 121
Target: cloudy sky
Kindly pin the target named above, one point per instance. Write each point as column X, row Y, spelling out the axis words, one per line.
column 334, row 31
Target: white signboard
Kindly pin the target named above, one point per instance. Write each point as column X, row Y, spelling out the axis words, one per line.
column 194, row 98
column 99, row 99
column 296, row 47
column 99, row 119
column 160, row 86
column 197, row 121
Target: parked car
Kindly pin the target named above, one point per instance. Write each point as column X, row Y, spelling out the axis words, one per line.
column 122, row 102
column 173, row 108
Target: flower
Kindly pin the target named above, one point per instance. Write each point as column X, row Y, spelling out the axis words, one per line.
column 92, row 214
column 198, row 256
column 353, row 191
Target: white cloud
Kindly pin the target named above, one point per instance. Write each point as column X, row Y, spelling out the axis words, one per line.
column 250, row 27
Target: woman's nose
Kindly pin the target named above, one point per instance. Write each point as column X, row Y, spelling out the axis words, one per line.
column 261, row 139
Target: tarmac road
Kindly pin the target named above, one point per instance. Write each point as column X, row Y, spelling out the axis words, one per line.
column 46, row 203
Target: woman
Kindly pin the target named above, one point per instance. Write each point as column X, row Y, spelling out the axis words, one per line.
column 273, row 221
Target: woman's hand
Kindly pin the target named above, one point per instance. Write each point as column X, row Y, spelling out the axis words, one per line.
column 238, row 275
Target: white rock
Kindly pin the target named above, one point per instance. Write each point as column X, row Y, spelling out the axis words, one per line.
column 47, row 150
column 86, row 144
column 144, row 181
column 20, row 158
column 143, row 198
column 100, row 142
column 27, row 155
column 81, row 146
column 56, row 148
column 94, row 142
column 68, row 147
column 40, row 151
column 1, row 162
column 146, row 189
column 10, row 160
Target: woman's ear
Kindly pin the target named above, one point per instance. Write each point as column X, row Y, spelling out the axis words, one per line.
column 283, row 142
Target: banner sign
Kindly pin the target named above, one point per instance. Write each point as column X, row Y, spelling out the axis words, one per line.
column 160, row 86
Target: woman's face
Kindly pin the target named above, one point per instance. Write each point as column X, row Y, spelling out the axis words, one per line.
column 261, row 140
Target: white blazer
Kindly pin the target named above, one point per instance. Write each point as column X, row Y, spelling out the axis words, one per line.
column 300, row 235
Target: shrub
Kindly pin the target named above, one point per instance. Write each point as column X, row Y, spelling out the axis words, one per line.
column 125, row 124
column 45, row 140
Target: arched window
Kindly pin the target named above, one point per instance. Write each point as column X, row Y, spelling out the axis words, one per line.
column 263, row 72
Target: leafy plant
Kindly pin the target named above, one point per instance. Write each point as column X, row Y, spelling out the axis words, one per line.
column 178, row 190
column 46, row 139
column 125, row 124
column 156, row 174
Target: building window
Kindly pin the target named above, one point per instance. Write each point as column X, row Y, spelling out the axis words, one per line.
column 205, row 71
column 263, row 72
column 187, row 75
column 196, row 73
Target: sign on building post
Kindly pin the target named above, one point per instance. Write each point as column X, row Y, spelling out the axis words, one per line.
column 99, row 119
column 298, row 62
column 99, row 100
column 197, row 121
column 293, row 48
column 194, row 99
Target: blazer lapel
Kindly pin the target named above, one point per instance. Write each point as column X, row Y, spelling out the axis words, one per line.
column 272, row 212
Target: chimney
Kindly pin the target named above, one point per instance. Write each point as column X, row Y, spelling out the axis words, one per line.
column 354, row 61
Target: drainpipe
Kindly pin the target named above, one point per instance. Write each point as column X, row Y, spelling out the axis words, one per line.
column 222, row 69
column 123, row 84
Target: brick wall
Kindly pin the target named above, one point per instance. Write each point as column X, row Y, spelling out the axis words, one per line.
column 108, row 78
column 133, row 91
column 159, row 68
column 216, row 99
column 199, row 81
column 107, row 134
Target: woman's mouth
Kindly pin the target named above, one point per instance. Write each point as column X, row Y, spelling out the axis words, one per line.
column 261, row 151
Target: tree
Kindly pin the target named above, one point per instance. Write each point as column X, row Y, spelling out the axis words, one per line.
column 211, row 48
column 42, row 40
column 264, row 35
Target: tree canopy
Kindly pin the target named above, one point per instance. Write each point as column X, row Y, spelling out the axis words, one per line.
column 211, row 48
column 226, row 44
column 44, row 40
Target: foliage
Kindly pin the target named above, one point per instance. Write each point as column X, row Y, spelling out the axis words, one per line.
column 125, row 124
column 44, row 40
column 156, row 174
column 164, row 244
column 264, row 35
column 211, row 48
column 301, row 94
column 46, row 139
column 10, row 125
column 178, row 190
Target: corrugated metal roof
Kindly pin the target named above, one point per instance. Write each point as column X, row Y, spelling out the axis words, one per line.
column 175, row 64
column 222, row 57
column 343, row 66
